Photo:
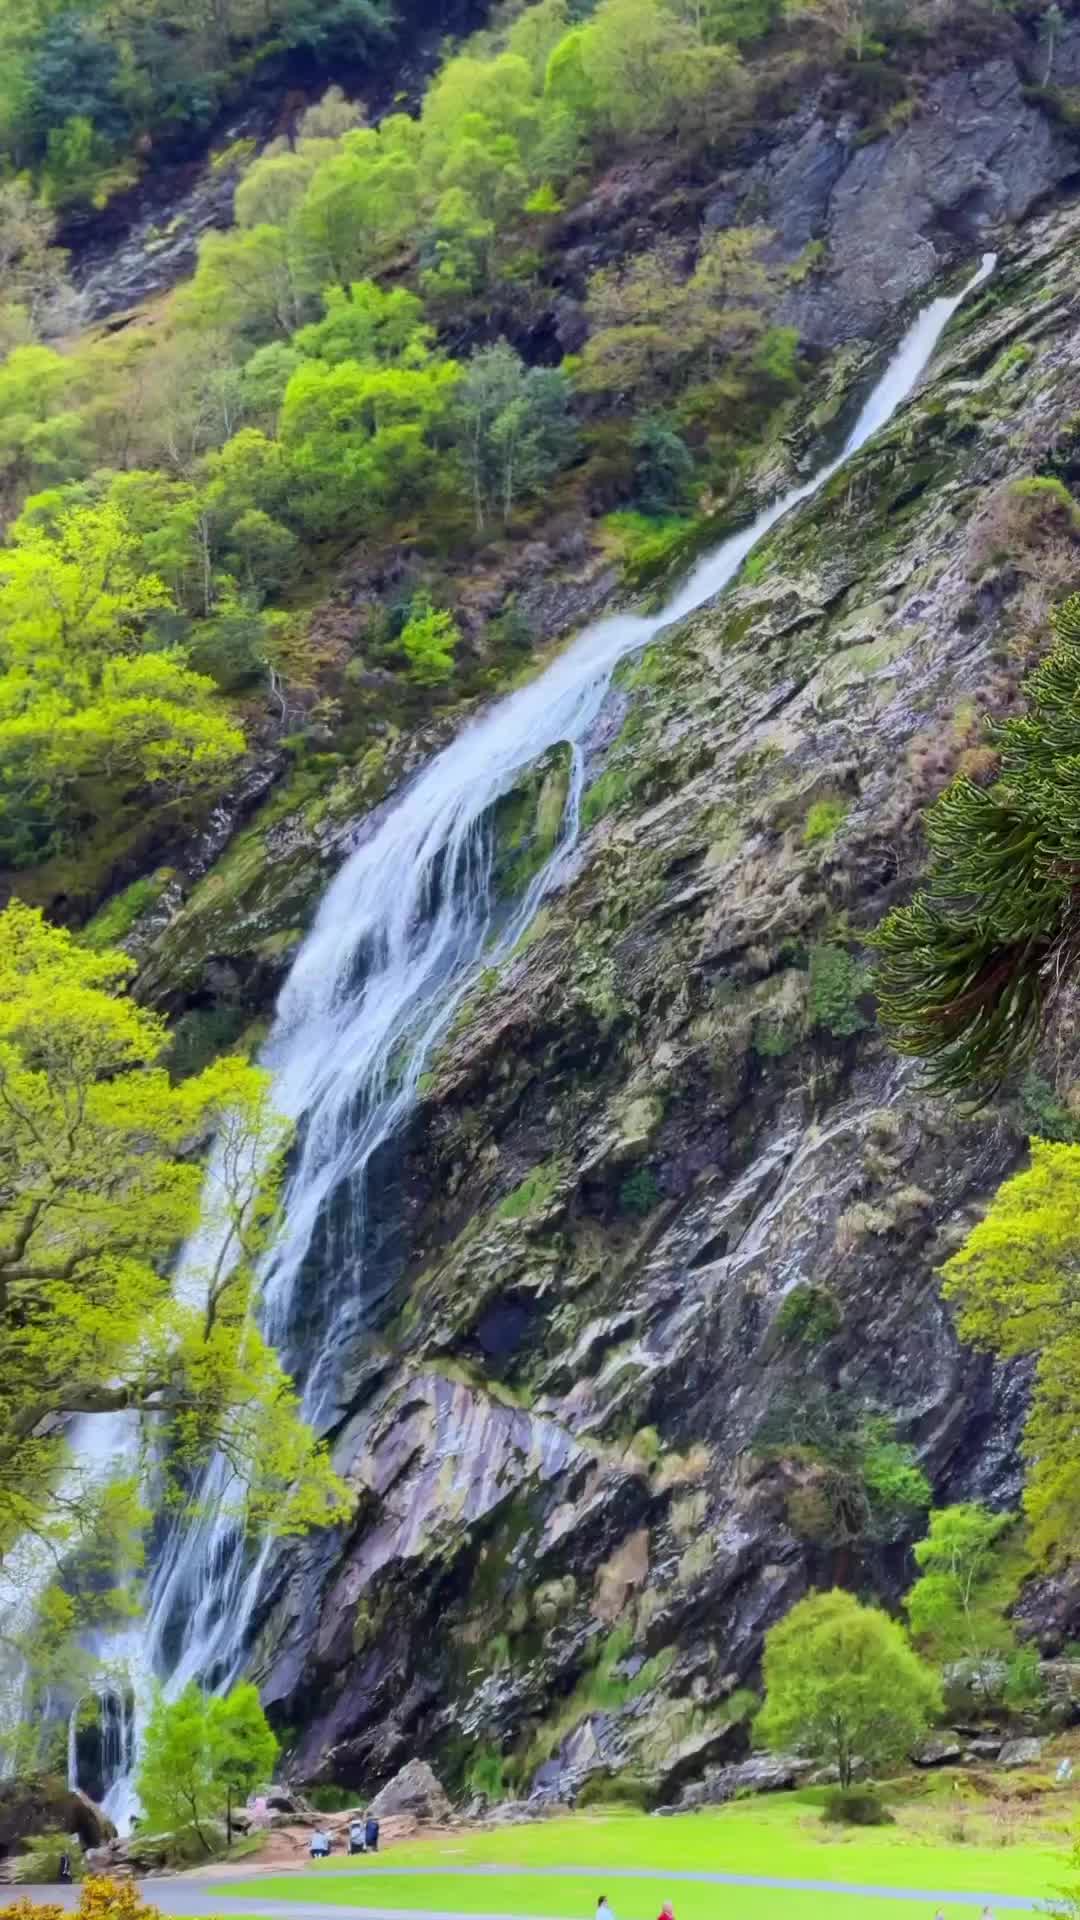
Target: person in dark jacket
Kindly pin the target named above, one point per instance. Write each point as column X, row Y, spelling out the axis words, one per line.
column 371, row 1835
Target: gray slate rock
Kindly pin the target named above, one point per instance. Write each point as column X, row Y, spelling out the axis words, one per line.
column 1020, row 1753
column 940, row 1751
column 414, row 1790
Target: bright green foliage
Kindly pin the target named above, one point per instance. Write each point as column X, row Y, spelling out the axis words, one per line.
column 841, row 1682
column 175, row 1779
column 536, row 1192
column 89, row 723
column 360, row 440
column 100, row 1179
column 241, row 1746
column 428, row 639
column 358, row 204
column 823, row 820
column 968, row 1579
column 245, row 284
column 365, row 323
column 201, row 1755
column 964, row 969
column 1014, row 1283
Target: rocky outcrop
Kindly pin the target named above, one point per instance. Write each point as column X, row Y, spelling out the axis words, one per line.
column 668, row 1202
column 876, row 220
column 414, row 1789
column 40, row 1803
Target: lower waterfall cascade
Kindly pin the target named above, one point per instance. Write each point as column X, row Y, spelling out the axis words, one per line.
column 396, row 945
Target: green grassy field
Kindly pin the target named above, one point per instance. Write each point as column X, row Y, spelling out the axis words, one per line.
column 575, row 1899
column 784, row 1836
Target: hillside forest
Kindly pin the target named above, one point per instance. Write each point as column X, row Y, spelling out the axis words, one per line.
column 270, row 536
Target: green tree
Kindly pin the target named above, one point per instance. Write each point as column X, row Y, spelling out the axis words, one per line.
column 513, row 426
column 428, row 640
column 200, row 1755
column 964, row 970
column 358, row 204
column 371, row 325
column 967, row 1580
column 361, row 441
column 842, row 1683
column 89, row 722
column 175, row 1781
column 100, row 1179
column 652, row 326
column 242, row 1748
column 1014, row 1281
column 245, row 284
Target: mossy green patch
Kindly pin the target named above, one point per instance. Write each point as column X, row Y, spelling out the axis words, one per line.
column 535, row 1192
column 112, row 922
column 823, row 819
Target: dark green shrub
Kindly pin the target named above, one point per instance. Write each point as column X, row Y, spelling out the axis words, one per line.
column 330, row 1798
column 617, row 1789
column 201, row 1035
column 836, row 982
column 485, row 1773
column 639, row 1193
column 810, row 1314
column 663, row 466
column 855, row 1807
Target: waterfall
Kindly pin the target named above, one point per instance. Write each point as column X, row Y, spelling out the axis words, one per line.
column 396, row 944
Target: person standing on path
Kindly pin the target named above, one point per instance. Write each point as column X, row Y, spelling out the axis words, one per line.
column 603, row 1911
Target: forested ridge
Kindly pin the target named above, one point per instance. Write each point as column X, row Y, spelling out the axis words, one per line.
column 271, row 535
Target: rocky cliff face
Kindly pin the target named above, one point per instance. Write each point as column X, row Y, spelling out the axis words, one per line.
column 667, row 1200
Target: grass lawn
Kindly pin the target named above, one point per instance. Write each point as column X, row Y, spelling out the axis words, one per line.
column 575, row 1899
column 781, row 1836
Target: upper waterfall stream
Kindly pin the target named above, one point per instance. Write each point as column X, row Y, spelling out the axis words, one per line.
column 396, row 944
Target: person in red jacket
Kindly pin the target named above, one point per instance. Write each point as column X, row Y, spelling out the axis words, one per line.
column 667, row 1911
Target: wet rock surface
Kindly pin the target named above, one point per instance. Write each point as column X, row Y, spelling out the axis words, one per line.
column 33, row 1804
column 573, row 1527
column 574, row 1425
column 885, row 216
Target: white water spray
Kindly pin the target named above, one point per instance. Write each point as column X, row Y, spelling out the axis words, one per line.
column 396, row 944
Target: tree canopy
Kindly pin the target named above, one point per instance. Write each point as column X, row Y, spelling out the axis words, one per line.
column 101, row 1179
column 842, row 1683
column 1014, row 1281
column 201, row 1755
column 966, row 968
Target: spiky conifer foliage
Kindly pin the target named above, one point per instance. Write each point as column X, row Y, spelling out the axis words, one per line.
column 966, row 968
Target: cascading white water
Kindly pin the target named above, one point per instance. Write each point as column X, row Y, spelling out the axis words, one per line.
column 396, row 944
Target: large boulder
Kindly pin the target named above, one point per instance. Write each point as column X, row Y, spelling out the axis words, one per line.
column 941, row 1750
column 44, row 1803
column 414, row 1790
column 1020, row 1753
